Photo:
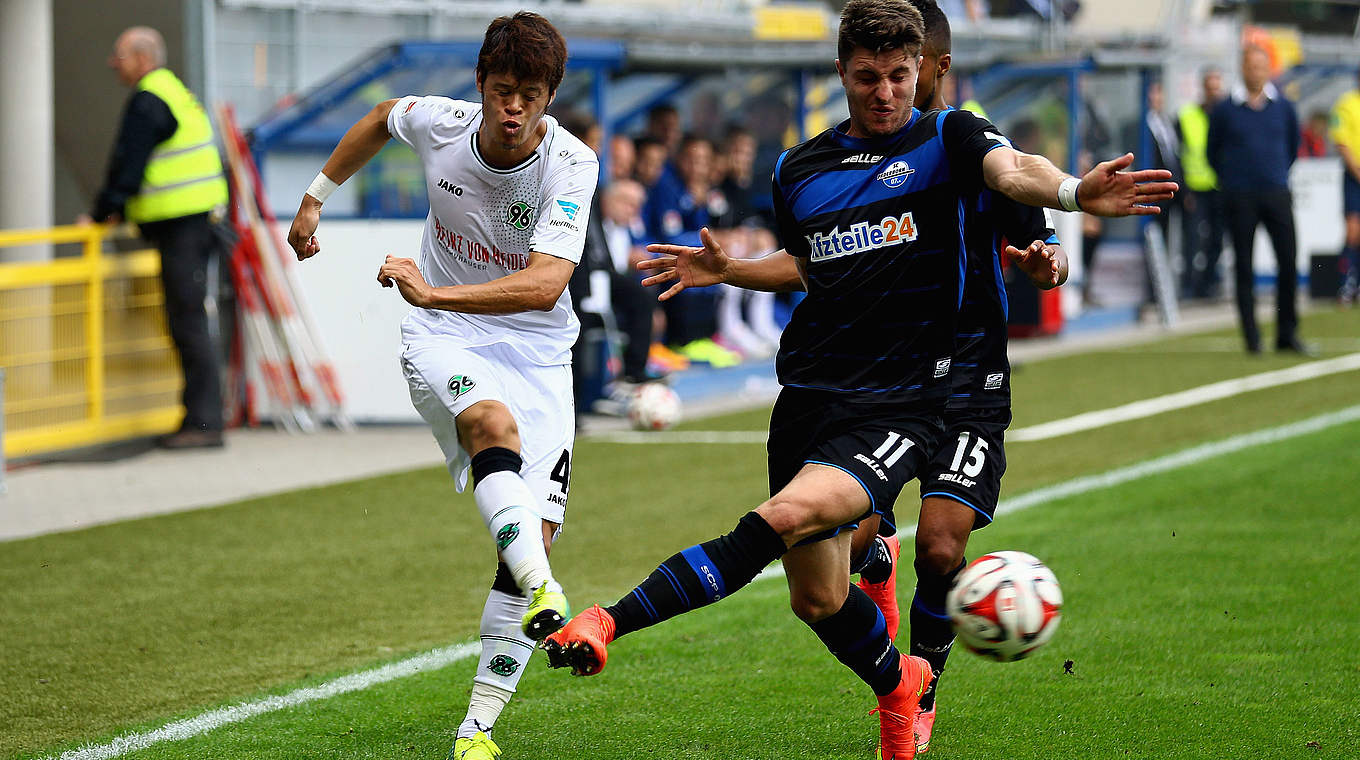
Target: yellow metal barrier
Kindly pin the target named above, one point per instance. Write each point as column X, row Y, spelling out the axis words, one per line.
column 84, row 345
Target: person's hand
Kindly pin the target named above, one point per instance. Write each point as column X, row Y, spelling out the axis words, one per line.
column 84, row 220
column 1108, row 190
column 1042, row 263
column 406, row 276
column 686, row 266
column 302, row 235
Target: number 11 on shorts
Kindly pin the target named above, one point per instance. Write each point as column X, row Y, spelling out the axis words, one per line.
column 893, row 438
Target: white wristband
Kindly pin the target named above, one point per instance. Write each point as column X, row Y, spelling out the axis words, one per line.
column 1067, row 194
column 322, row 187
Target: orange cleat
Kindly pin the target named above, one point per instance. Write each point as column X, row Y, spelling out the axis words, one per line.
column 925, row 723
column 897, row 711
column 581, row 644
column 885, row 594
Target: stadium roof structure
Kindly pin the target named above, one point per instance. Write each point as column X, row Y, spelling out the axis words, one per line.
column 317, row 119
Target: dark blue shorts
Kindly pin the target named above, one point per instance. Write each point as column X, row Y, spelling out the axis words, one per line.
column 881, row 446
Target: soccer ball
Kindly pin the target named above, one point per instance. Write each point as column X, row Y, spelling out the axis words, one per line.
column 1005, row 605
column 653, row 406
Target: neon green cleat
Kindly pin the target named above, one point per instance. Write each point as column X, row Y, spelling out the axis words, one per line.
column 548, row 612
column 479, row 747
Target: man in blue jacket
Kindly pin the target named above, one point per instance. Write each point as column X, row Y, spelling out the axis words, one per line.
column 1253, row 139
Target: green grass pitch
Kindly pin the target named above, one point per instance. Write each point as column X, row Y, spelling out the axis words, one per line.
column 1210, row 610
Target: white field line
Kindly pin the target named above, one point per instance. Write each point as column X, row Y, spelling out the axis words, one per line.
column 683, row 436
column 439, row 658
column 202, row 724
column 1066, row 426
column 1192, row 397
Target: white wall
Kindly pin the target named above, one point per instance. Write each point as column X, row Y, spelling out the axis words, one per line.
column 359, row 320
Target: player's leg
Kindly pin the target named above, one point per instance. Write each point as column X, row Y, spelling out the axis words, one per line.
column 874, row 557
column 959, row 491
column 540, row 398
column 488, row 432
column 1277, row 216
column 852, row 628
column 816, row 500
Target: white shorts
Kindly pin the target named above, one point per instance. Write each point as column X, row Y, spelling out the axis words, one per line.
column 446, row 378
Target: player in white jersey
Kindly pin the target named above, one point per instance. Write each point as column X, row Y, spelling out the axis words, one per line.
column 487, row 348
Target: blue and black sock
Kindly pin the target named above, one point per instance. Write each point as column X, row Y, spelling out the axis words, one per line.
column 931, row 634
column 858, row 636
column 877, row 564
column 699, row 575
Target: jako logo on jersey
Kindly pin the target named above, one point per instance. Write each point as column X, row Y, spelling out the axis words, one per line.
column 862, row 158
column 446, row 186
column 460, row 384
column 993, row 381
column 896, row 174
column 862, row 237
column 507, row 535
column 942, row 367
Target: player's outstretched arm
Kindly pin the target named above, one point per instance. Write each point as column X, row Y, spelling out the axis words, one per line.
column 359, row 145
column 1106, row 190
column 1044, row 263
column 690, row 267
column 534, row 288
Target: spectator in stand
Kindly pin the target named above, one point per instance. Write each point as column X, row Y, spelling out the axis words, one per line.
column 663, row 125
column 677, row 207
column 1202, row 204
column 1253, row 140
column 622, row 158
column 650, row 162
column 633, row 304
column 1313, row 138
column 1346, row 135
column 1166, row 150
column 746, row 320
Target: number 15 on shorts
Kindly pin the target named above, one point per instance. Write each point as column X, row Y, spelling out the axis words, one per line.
column 977, row 459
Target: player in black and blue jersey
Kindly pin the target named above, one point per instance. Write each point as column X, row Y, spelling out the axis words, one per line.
column 871, row 214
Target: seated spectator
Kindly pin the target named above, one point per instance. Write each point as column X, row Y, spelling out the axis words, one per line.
column 745, row 319
column 1313, row 136
column 677, row 207
column 633, row 305
column 622, row 158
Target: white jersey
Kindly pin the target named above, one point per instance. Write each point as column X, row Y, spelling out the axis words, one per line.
column 485, row 220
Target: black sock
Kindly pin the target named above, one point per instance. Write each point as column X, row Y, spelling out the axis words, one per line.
column 858, row 637
column 493, row 460
column 931, row 634
column 699, row 575
column 877, row 564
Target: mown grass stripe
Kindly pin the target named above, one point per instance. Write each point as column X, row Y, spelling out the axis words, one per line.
column 445, row 656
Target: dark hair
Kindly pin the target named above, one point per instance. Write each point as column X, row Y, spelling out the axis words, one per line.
column 645, row 141
column 577, row 122
column 879, row 26
column 936, row 26
column 525, row 46
column 662, row 109
column 691, row 138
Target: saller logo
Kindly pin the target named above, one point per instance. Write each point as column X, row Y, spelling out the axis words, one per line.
column 942, row 367
column 993, row 381
column 507, row 535
column 862, row 158
column 503, row 665
column 862, row 236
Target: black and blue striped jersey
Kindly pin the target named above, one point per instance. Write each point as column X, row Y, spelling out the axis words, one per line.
column 880, row 225
column 982, row 371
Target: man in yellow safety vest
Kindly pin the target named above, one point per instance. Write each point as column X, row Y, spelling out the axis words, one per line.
column 165, row 175
column 1203, row 218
